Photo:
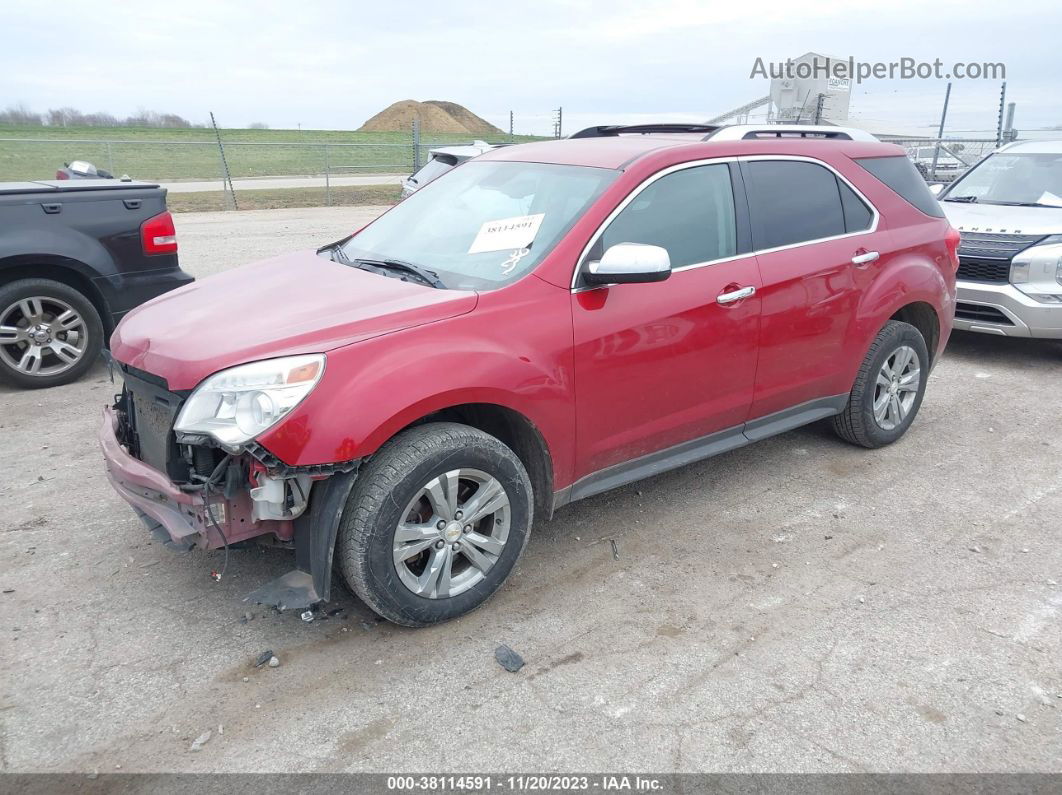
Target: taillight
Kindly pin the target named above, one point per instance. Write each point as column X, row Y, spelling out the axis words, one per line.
column 157, row 235
column 60, row 174
column 952, row 240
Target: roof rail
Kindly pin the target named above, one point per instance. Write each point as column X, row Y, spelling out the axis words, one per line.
column 610, row 130
column 748, row 132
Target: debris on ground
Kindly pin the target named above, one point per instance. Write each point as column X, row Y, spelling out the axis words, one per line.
column 975, row 548
column 307, row 615
column 274, row 662
column 263, row 658
column 615, row 549
column 508, row 659
column 248, row 616
column 861, row 599
column 201, row 740
column 1020, row 717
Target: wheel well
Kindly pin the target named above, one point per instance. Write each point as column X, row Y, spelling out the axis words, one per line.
column 515, row 431
column 17, row 268
column 924, row 318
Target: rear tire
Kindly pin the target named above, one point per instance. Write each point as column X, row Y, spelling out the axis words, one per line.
column 435, row 524
column 888, row 391
column 50, row 334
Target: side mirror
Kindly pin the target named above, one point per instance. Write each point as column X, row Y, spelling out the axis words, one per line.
column 936, row 187
column 628, row 263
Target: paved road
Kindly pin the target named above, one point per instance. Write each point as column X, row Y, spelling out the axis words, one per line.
column 265, row 183
column 797, row 605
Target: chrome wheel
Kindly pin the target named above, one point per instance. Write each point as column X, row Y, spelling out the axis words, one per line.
column 452, row 533
column 42, row 336
column 896, row 388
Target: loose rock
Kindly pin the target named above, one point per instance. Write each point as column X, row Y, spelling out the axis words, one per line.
column 508, row 659
column 201, row 740
column 263, row 658
column 274, row 662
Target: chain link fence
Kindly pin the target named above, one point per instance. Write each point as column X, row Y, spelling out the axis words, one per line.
column 323, row 172
column 309, row 172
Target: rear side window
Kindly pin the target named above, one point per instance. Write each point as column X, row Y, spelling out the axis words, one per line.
column 793, row 202
column 690, row 213
column 857, row 215
column 899, row 173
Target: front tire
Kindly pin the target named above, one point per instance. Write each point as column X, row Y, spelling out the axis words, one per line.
column 888, row 390
column 50, row 334
column 435, row 524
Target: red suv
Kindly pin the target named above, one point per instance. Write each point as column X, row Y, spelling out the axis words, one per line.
column 544, row 323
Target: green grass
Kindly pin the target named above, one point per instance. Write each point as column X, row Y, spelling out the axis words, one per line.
column 274, row 198
column 172, row 154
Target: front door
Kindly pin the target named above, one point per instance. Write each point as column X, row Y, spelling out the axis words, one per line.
column 664, row 363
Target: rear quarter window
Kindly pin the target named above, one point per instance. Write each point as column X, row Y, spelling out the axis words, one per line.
column 899, row 173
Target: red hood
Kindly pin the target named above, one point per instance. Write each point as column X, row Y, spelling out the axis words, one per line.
column 295, row 303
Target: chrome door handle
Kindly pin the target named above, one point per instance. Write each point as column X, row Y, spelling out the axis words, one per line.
column 865, row 258
column 736, row 295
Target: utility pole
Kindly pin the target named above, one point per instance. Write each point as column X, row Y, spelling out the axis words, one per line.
column 999, row 121
column 819, row 102
column 511, row 137
column 558, row 122
column 940, row 132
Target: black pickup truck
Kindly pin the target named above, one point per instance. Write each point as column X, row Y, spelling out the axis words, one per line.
column 75, row 256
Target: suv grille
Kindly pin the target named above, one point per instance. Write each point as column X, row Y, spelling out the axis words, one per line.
column 986, row 256
column 983, row 270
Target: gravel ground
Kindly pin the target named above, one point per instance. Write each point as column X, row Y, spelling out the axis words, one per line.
column 797, row 605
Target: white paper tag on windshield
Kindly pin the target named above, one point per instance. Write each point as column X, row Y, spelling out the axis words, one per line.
column 1050, row 198
column 507, row 234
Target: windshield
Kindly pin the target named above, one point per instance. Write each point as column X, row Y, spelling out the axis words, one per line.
column 483, row 225
column 1012, row 179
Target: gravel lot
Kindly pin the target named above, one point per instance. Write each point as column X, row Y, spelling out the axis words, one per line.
column 798, row 605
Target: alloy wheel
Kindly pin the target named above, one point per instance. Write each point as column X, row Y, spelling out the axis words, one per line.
column 451, row 533
column 896, row 387
column 42, row 336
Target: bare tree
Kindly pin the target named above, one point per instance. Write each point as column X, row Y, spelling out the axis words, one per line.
column 257, row 125
column 20, row 115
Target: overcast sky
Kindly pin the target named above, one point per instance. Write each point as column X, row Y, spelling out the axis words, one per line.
column 334, row 64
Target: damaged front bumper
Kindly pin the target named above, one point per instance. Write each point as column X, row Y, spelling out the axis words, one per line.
column 192, row 519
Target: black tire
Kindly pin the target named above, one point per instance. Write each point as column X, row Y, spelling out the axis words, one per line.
column 389, row 482
column 857, row 424
column 93, row 328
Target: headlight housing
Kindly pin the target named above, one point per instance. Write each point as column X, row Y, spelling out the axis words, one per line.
column 236, row 405
column 1037, row 271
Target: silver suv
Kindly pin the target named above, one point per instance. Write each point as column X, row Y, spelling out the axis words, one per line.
column 1008, row 209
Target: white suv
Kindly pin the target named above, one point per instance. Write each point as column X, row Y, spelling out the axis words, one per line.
column 1008, row 209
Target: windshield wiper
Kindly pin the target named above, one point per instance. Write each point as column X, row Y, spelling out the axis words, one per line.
column 428, row 277
column 966, row 199
column 1025, row 204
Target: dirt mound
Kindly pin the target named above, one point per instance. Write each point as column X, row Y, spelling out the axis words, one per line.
column 435, row 117
column 466, row 118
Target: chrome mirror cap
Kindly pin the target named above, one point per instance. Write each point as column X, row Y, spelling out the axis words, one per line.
column 626, row 263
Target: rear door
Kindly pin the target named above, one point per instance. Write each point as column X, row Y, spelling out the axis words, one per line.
column 818, row 248
column 665, row 363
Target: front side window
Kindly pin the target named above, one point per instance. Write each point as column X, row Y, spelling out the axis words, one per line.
column 794, row 202
column 690, row 213
column 485, row 224
column 1003, row 178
